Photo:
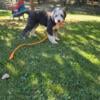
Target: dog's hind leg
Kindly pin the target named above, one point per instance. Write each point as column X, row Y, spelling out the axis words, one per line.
column 32, row 33
column 27, row 30
column 30, row 25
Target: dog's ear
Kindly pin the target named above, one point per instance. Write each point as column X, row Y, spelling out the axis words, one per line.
column 64, row 11
column 52, row 14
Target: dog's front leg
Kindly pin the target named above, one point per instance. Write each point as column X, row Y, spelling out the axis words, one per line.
column 51, row 36
column 56, row 34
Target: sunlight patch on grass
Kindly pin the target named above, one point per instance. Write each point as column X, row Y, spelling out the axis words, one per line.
column 56, row 88
column 70, row 36
column 10, row 35
column 6, row 17
column 5, row 13
column 98, row 79
column 8, row 39
column 97, row 47
column 58, row 59
column 20, row 25
column 53, row 88
column 94, row 38
column 12, row 23
column 81, row 39
column 45, row 54
column 34, row 80
column 95, row 31
column 1, row 37
column 77, row 17
column 72, row 28
column 89, row 76
column 91, row 57
column 8, row 42
column 11, row 68
column 40, row 28
column 62, row 33
column 51, row 97
column 47, row 83
column 45, row 75
column 76, row 67
column 21, row 62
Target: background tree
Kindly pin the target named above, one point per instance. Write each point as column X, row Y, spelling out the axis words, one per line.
column 32, row 4
column 3, row 3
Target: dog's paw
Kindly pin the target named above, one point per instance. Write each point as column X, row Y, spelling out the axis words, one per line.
column 56, row 38
column 35, row 35
column 54, row 42
column 32, row 34
column 22, row 37
column 52, row 39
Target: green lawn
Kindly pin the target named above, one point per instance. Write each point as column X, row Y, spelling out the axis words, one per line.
column 67, row 71
column 5, row 13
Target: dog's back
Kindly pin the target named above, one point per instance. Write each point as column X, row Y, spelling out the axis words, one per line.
column 40, row 17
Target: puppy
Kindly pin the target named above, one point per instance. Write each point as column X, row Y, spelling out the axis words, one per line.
column 52, row 21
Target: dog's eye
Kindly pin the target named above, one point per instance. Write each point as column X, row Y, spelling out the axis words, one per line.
column 62, row 16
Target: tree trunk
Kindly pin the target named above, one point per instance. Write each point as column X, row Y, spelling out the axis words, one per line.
column 84, row 1
column 92, row 2
column 32, row 4
column 3, row 4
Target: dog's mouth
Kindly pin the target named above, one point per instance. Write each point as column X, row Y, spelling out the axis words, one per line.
column 60, row 23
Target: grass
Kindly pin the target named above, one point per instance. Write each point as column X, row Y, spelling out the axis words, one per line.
column 5, row 13
column 67, row 71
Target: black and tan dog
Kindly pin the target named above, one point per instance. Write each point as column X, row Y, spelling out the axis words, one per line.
column 56, row 17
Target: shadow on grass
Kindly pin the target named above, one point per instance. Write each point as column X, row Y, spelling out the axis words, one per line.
column 70, row 70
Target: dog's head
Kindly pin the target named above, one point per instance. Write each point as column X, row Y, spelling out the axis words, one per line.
column 58, row 15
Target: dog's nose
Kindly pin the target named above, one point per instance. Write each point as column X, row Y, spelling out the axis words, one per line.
column 58, row 21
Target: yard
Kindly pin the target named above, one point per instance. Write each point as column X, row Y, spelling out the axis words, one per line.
column 67, row 71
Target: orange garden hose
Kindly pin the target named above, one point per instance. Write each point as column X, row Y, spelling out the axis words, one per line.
column 33, row 43
column 25, row 45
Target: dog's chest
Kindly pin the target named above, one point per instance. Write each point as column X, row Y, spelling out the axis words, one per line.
column 56, row 27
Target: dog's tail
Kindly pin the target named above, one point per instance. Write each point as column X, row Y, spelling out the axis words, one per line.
column 28, row 12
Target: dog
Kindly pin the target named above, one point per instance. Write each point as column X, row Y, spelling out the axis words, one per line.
column 51, row 20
